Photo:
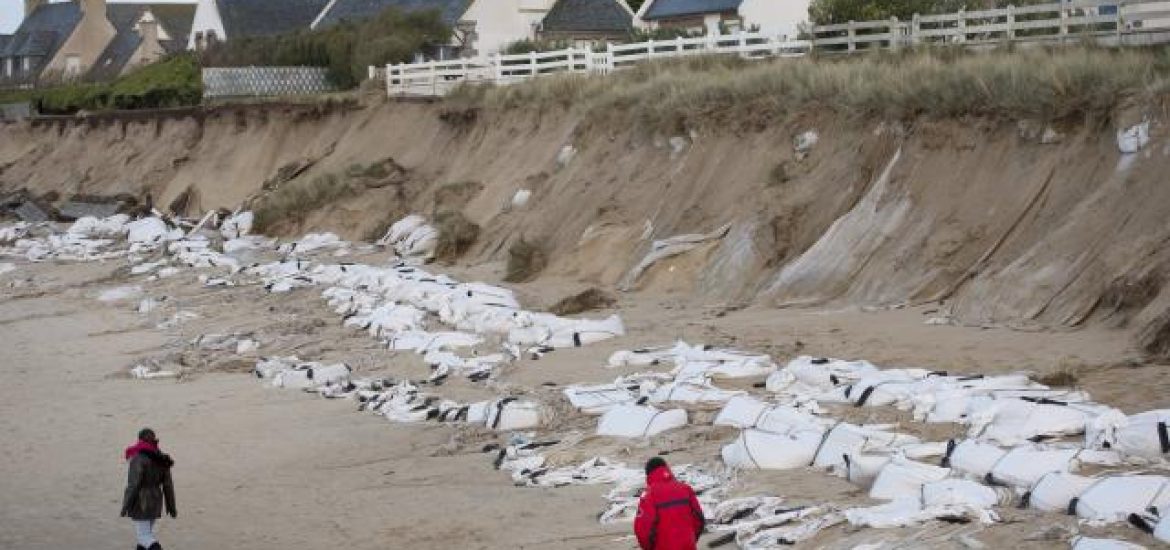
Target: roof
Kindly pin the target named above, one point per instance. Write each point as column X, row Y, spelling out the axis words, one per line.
column 4, row 40
column 176, row 19
column 662, row 9
column 43, row 32
column 588, row 15
column 354, row 10
column 243, row 18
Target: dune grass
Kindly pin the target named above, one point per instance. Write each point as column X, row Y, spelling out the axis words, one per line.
column 1050, row 84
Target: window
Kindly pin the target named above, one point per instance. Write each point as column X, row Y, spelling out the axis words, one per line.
column 72, row 66
column 199, row 45
column 27, row 62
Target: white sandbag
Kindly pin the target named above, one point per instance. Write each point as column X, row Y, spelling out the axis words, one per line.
column 1014, row 421
column 848, row 439
column 1053, row 492
column 696, row 393
column 1162, row 530
column 974, row 458
column 877, row 389
column 644, row 357
column 903, row 478
column 1086, row 543
column 741, row 411
column 600, row 398
column 1023, row 466
column 512, row 414
column 962, row 492
column 89, row 226
column 639, row 421
column 1133, row 139
column 828, row 373
column 237, row 225
column 582, row 332
column 420, row 245
column 1145, row 435
column 520, row 199
column 863, row 469
column 755, row 449
column 146, row 231
column 1113, row 499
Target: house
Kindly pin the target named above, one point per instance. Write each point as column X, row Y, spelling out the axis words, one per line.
column 582, row 22
column 480, row 27
column 776, row 17
column 88, row 38
column 221, row 20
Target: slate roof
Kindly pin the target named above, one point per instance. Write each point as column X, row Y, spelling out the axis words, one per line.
column 354, row 10
column 243, row 18
column 43, row 32
column 662, row 9
column 588, row 16
column 4, row 40
column 176, row 19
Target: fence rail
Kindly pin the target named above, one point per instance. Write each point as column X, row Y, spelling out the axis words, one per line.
column 1107, row 22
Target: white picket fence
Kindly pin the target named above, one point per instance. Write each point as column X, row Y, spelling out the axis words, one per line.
column 1107, row 22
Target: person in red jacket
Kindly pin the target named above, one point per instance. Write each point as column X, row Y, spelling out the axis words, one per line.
column 669, row 515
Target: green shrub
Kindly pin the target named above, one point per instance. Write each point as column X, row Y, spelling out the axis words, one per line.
column 346, row 49
column 525, row 261
column 171, row 82
column 296, row 199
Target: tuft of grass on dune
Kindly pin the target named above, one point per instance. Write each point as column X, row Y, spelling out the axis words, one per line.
column 1041, row 83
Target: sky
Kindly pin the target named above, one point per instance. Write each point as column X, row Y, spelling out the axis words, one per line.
column 12, row 11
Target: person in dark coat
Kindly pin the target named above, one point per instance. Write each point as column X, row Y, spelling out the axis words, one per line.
column 148, row 487
column 669, row 515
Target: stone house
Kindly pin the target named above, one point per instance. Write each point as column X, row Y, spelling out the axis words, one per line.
column 585, row 22
column 91, row 39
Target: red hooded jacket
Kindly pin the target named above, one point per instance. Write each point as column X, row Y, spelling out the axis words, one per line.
column 669, row 515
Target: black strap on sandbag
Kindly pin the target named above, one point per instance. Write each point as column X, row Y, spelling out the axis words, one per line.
column 1025, row 500
column 848, row 390
column 1141, row 523
column 946, row 459
column 835, row 381
column 1164, row 437
column 577, row 339
column 865, row 396
column 1072, row 506
column 820, row 361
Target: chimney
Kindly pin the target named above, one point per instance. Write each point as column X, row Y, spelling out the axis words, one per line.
column 31, row 5
column 148, row 28
column 93, row 7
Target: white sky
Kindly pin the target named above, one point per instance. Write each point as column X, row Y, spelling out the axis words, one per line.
column 12, row 11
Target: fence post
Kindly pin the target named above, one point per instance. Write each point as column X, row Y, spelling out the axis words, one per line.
column 895, row 32
column 1011, row 22
column 434, row 78
column 852, row 36
column 650, row 49
column 1063, row 21
column 915, row 27
column 678, row 46
column 609, row 60
column 532, row 72
column 962, row 25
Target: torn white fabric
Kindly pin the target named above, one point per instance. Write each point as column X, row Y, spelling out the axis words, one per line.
column 1086, row 543
column 666, row 248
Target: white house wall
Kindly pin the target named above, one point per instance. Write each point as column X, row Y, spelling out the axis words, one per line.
column 206, row 18
column 775, row 16
column 502, row 22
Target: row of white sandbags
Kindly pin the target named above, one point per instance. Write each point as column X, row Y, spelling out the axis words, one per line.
column 1007, row 409
column 399, row 402
column 697, row 362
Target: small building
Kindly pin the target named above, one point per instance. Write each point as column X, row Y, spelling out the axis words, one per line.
column 222, row 20
column 584, row 22
column 90, row 39
column 775, row 17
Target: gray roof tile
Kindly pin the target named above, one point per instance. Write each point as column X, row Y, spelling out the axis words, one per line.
column 243, row 18
column 588, row 16
column 353, row 10
column 43, row 32
column 175, row 18
column 662, row 9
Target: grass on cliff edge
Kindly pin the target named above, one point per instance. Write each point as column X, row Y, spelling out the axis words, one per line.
column 1034, row 83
